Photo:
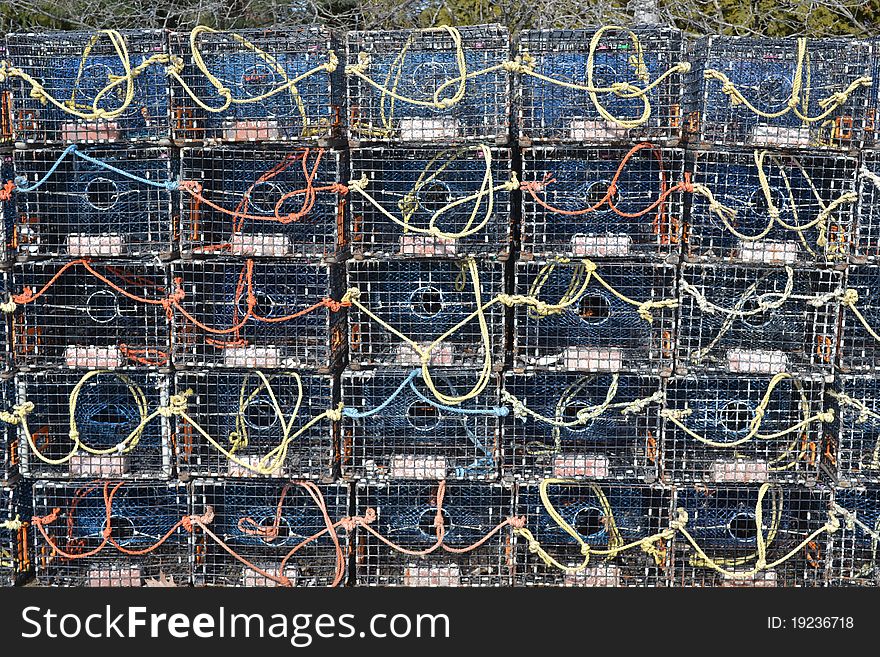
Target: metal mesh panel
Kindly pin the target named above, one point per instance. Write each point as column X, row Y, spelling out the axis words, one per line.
column 76, row 68
column 591, row 426
column 5, row 104
column 421, row 65
column 598, row 331
column 251, row 414
column 764, row 72
column 728, row 429
column 722, row 521
column 8, row 433
column 82, row 321
column 105, row 412
column 854, row 438
column 274, row 202
column 550, row 111
column 8, row 209
column 746, row 319
column 454, row 190
column 140, row 516
column 801, row 188
column 85, row 209
column 411, row 435
column 605, row 516
column 16, row 548
column 859, row 350
column 853, row 558
column 866, row 242
column 263, row 523
column 424, row 299
column 565, row 184
column 406, row 513
column 266, row 336
column 256, row 66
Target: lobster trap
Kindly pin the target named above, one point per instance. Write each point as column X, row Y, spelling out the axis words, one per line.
column 581, row 426
column 757, row 320
column 110, row 533
column 270, row 533
column 428, row 202
column 620, row 317
column 258, row 424
column 262, row 202
column 105, row 86
column 258, row 314
column 724, row 522
column 866, row 238
column 95, row 424
column 93, row 207
column 610, row 519
column 782, row 93
column 441, row 84
column 395, row 427
column 602, row 202
column 860, row 320
column 853, row 558
column 852, row 442
column 436, row 304
column 79, row 314
column 16, row 548
column 255, row 85
column 413, row 514
column 771, row 207
column 725, row 429
column 598, row 86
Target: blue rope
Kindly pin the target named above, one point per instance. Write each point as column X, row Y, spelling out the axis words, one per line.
column 499, row 411
column 352, row 413
column 21, row 182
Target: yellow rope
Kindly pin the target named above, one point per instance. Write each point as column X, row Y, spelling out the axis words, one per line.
column 12, row 525
column 795, row 100
column 864, row 415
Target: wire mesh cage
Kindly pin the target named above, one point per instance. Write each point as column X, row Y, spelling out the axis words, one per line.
column 853, row 440
column 274, row 533
column 95, row 424
column 431, row 202
column 581, row 426
column 79, row 314
column 436, row 304
column 441, row 84
column 618, row 317
column 783, row 93
column 866, row 238
column 9, row 461
column 757, row 320
column 258, row 314
column 603, row 202
column 255, row 85
column 771, row 207
column 8, row 208
column 606, row 85
column 724, row 522
column 16, row 547
column 5, row 103
column 105, row 86
column 110, row 533
column 410, row 514
column 609, row 518
column 853, row 558
column 270, row 202
column 259, row 424
column 395, row 427
column 99, row 202
column 725, row 429
column 860, row 320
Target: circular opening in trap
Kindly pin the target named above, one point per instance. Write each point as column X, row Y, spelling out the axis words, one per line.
column 604, row 75
column 121, row 528
column 258, row 79
column 268, row 522
column 426, row 301
column 428, row 76
column 102, row 307
column 742, row 527
column 259, row 414
column 102, row 193
column 263, row 307
column 422, row 416
column 111, row 414
column 773, row 91
column 596, row 192
column 758, row 319
column 434, row 196
column 594, row 308
column 264, row 196
column 759, row 206
column 570, row 414
column 589, row 521
column 736, row 416
column 426, row 521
